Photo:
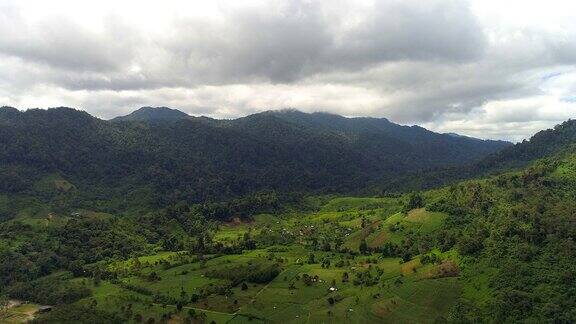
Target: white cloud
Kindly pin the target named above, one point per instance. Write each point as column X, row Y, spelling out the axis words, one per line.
column 487, row 68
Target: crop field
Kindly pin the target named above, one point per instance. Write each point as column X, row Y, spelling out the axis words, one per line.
column 498, row 249
column 301, row 268
column 310, row 280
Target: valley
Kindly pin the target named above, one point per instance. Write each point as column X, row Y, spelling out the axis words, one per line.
column 287, row 161
column 302, row 268
column 490, row 241
column 437, row 256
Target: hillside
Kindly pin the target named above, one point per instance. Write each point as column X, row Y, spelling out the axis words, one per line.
column 77, row 229
column 542, row 144
column 162, row 155
column 498, row 249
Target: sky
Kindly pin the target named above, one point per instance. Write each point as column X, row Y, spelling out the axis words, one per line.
column 498, row 69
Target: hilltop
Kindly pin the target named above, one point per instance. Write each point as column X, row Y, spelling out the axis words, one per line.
column 153, row 114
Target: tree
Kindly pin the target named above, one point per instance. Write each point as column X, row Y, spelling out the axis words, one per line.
column 311, row 258
column 202, row 317
column 415, row 200
column 3, row 306
column 363, row 247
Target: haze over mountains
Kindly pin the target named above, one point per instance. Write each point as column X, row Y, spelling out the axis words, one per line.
column 196, row 158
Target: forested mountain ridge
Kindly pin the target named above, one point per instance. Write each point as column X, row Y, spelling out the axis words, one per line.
column 179, row 157
column 498, row 249
column 543, row 144
column 120, row 221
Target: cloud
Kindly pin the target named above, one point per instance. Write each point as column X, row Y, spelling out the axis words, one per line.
column 277, row 42
column 474, row 67
column 413, row 30
column 59, row 42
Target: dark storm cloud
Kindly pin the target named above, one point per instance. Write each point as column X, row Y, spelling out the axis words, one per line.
column 278, row 43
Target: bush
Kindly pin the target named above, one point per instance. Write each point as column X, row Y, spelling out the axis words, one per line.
column 77, row 314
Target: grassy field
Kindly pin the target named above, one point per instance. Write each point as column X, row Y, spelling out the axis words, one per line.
column 399, row 292
column 317, row 281
column 19, row 313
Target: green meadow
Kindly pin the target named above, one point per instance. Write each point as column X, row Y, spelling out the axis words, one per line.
column 446, row 255
column 319, row 276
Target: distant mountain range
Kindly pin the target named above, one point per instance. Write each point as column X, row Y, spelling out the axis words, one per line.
column 318, row 119
column 543, row 144
column 167, row 155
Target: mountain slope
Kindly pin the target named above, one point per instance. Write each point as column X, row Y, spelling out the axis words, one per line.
column 516, row 233
column 543, row 144
column 178, row 157
column 496, row 250
column 387, row 143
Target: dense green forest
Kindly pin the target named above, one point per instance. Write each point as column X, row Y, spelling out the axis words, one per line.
column 158, row 156
column 542, row 144
column 150, row 219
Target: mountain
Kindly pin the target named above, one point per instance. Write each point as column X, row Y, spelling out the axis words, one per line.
column 172, row 156
column 216, row 220
column 153, row 113
column 462, row 136
column 543, row 144
column 496, row 250
column 380, row 131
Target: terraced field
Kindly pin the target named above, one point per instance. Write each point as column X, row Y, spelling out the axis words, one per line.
column 319, row 277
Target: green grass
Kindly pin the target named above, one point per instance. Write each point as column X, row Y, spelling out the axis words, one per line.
column 425, row 221
column 566, row 170
column 400, row 295
column 393, row 228
column 19, row 314
column 476, row 286
column 52, row 184
column 355, row 203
